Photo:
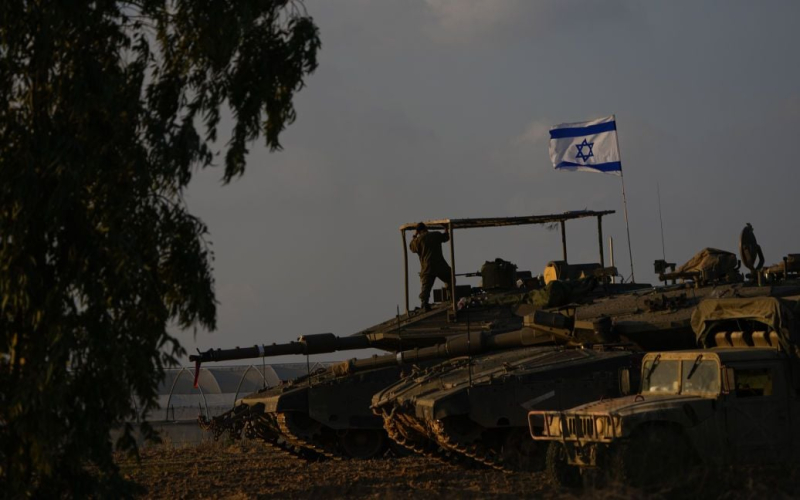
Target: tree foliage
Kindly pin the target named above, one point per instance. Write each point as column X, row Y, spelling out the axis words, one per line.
column 108, row 109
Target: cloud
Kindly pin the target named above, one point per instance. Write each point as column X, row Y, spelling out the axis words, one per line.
column 536, row 132
column 462, row 20
column 504, row 21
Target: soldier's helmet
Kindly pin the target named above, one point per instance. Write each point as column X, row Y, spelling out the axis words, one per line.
column 421, row 227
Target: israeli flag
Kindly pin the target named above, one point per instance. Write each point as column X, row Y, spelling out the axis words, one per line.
column 587, row 146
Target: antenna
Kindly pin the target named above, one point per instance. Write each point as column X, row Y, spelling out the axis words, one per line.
column 661, row 221
column 469, row 351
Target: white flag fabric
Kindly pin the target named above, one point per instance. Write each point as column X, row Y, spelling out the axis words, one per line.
column 587, row 146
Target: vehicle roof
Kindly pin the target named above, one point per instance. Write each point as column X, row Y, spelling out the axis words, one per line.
column 509, row 221
column 725, row 354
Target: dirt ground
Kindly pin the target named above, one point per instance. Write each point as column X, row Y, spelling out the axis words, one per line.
column 250, row 470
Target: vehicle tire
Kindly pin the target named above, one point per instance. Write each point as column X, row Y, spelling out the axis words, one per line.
column 521, row 453
column 560, row 472
column 652, row 456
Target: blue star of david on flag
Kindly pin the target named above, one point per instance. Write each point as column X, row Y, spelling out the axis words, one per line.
column 586, row 146
column 581, row 155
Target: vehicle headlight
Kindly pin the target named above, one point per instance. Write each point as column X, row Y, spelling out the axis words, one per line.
column 600, row 426
column 554, row 425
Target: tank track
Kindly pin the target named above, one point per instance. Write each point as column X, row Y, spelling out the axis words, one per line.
column 232, row 421
column 309, row 440
column 258, row 428
column 505, row 456
column 474, row 449
column 412, row 440
column 253, row 423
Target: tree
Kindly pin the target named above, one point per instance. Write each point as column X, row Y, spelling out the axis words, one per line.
column 109, row 108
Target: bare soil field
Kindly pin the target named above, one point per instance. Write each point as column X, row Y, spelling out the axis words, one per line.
column 249, row 470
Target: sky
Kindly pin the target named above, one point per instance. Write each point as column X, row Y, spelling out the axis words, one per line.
column 429, row 109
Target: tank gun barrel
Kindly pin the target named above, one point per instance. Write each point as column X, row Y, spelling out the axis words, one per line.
column 542, row 329
column 307, row 344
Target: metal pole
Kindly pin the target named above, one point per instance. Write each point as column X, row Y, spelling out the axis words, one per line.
column 241, row 379
column 308, row 369
column 564, row 239
column 661, row 221
column 469, row 351
column 627, row 226
column 625, row 205
column 405, row 265
column 452, row 269
column 611, row 254
column 600, row 240
column 172, row 388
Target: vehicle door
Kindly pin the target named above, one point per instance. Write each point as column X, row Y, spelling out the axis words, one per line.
column 757, row 414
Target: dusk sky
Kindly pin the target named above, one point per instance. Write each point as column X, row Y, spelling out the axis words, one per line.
column 441, row 109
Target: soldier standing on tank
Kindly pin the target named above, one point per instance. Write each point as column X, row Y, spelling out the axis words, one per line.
column 428, row 245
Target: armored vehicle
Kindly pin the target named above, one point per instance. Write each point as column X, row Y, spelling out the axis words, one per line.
column 473, row 410
column 479, row 407
column 328, row 415
column 734, row 401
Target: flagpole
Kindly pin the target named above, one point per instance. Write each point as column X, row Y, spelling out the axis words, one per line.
column 625, row 204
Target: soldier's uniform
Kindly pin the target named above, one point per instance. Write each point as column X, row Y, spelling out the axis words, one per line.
column 429, row 248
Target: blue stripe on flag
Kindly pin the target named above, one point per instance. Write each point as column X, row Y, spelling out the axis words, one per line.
column 561, row 133
column 612, row 166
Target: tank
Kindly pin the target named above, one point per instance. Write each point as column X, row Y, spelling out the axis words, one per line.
column 478, row 407
column 470, row 410
column 327, row 415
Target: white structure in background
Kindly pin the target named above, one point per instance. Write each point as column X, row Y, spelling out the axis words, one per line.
column 219, row 387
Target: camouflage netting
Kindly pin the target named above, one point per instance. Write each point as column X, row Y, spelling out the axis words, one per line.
column 776, row 314
column 708, row 260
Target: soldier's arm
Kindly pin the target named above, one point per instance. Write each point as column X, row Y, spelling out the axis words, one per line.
column 414, row 246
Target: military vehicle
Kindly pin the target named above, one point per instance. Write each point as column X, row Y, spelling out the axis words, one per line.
column 732, row 402
column 434, row 411
column 479, row 407
column 327, row 414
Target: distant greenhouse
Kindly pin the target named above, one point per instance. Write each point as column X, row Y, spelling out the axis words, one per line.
column 219, row 387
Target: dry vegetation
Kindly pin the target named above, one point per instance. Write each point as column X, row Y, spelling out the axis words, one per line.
column 248, row 470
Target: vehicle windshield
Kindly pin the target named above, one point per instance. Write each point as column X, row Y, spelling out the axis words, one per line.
column 700, row 377
column 674, row 376
column 661, row 376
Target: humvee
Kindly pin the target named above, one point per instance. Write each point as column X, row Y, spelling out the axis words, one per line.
column 736, row 401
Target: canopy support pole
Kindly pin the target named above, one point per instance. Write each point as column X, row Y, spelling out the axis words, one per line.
column 452, row 270
column 600, row 239
column 405, row 265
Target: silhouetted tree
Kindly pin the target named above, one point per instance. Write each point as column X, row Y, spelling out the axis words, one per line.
column 108, row 108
